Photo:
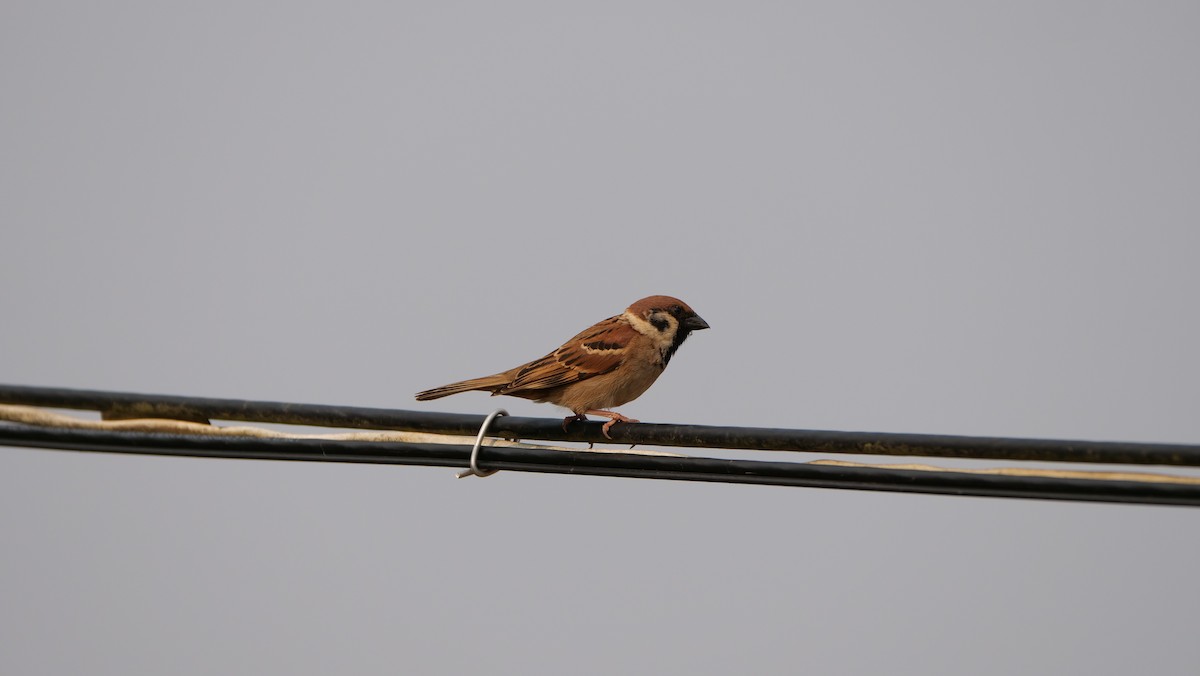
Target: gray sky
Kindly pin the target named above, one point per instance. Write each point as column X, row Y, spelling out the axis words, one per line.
column 964, row 218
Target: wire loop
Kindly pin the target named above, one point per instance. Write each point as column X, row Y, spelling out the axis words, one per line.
column 474, row 467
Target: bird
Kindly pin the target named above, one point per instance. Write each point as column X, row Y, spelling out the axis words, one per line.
column 608, row 364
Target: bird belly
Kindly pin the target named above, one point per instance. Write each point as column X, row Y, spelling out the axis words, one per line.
column 607, row 390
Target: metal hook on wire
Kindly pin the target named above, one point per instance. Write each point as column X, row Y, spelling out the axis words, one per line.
column 474, row 463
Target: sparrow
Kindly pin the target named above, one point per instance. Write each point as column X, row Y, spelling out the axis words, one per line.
column 606, row 365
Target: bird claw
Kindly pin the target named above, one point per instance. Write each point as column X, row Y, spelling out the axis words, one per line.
column 572, row 418
column 607, row 425
column 614, row 418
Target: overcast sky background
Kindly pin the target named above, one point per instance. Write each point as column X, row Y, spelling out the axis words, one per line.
column 962, row 218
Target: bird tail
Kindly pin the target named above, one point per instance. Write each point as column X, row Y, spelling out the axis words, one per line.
column 486, row 383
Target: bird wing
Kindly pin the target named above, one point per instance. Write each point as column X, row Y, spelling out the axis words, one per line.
column 596, row 350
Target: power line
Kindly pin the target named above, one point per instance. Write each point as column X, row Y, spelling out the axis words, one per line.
column 605, row 464
column 598, row 464
column 118, row 405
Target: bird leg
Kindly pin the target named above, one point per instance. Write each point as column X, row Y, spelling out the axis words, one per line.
column 613, row 417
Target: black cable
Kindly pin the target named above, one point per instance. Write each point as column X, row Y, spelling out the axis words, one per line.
column 126, row 405
column 606, row 464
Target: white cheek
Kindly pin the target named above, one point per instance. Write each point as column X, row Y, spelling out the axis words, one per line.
column 661, row 339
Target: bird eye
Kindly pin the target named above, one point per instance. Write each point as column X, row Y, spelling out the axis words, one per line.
column 676, row 310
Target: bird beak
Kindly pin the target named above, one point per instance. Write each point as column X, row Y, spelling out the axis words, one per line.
column 695, row 323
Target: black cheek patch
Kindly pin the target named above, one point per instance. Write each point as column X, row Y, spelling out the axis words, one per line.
column 659, row 323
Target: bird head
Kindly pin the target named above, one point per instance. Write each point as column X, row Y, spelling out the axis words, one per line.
column 666, row 321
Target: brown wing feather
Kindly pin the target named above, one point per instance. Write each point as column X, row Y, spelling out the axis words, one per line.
column 596, row 350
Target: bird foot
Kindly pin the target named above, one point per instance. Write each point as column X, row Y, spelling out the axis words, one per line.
column 573, row 418
column 613, row 417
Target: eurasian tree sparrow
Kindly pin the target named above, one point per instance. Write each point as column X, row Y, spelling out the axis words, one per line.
column 609, row 364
